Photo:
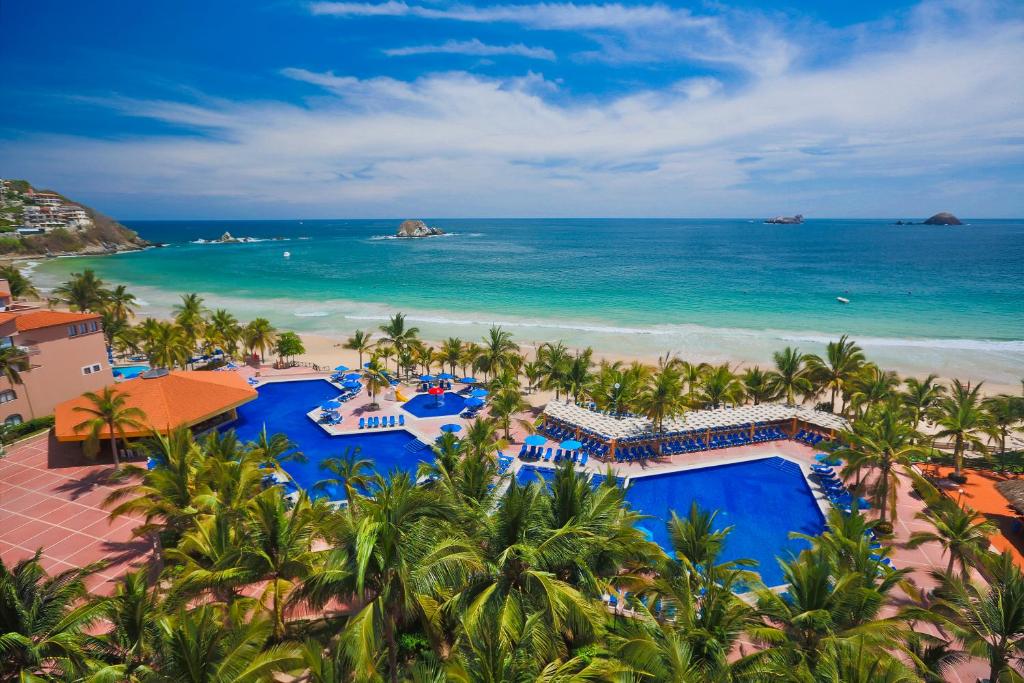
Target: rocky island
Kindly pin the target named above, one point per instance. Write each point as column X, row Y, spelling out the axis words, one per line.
column 943, row 219
column 786, row 220
column 414, row 228
column 228, row 238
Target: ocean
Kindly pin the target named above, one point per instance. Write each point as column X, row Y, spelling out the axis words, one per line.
column 921, row 298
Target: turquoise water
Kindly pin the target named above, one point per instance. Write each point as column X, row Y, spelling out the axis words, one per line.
column 282, row 408
column 763, row 500
column 129, row 371
column 427, row 406
column 921, row 297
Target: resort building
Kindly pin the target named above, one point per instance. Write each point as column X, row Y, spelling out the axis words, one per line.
column 65, row 355
column 199, row 400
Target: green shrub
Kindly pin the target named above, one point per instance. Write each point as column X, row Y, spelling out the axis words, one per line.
column 15, row 432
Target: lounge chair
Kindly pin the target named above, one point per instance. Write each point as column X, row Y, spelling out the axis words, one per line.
column 391, row 421
column 547, row 455
column 401, row 420
column 583, row 460
column 362, row 422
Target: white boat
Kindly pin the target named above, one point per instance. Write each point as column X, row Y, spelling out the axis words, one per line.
column 842, row 300
column 287, row 254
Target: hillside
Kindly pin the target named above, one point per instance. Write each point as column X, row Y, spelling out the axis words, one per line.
column 39, row 222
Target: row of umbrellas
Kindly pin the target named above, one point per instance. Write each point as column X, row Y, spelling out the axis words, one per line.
column 538, row 440
column 445, row 375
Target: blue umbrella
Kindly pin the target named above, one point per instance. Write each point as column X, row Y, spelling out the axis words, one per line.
column 451, row 428
column 351, row 384
column 426, row 378
column 353, row 375
column 478, row 393
column 341, row 368
column 535, row 440
column 474, row 402
column 445, row 375
column 468, row 380
column 367, row 363
column 571, row 444
column 330, row 405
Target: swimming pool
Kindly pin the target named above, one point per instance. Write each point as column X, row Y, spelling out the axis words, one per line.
column 528, row 474
column 425, row 405
column 764, row 500
column 282, row 407
column 129, row 371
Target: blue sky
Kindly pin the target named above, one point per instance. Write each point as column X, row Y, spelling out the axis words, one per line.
column 432, row 108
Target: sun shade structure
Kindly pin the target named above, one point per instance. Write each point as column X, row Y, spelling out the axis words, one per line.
column 451, row 427
column 341, row 368
column 435, row 391
column 468, row 380
column 535, row 440
column 446, row 375
column 474, row 402
column 168, row 400
column 353, row 375
column 330, row 405
column 478, row 393
column 426, row 378
column 1013, row 491
column 571, row 444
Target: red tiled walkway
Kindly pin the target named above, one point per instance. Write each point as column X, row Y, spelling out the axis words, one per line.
column 50, row 498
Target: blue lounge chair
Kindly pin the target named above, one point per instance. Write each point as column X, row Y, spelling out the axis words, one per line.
column 583, row 460
column 362, row 422
column 401, row 420
column 547, row 455
column 391, row 421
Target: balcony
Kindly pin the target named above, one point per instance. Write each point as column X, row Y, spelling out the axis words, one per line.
column 29, row 350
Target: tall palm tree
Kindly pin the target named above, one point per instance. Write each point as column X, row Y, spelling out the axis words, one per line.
column 83, row 292
column 663, row 398
column 165, row 344
column 190, row 316
column 963, row 533
column 757, row 385
column 223, row 332
column 886, row 444
column 870, row 387
column 504, row 405
column 43, row 620
column 555, row 359
column 693, row 374
column 397, row 334
column 450, row 353
column 120, row 304
column 19, row 285
column 130, row 644
column 279, row 549
column 13, row 362
column 832, row 373
column 959, row 415
column 719, row 385
column 259, row 336
column 360, row 342
column 498, row 348
column 108, row 411
column 987, row 617
column 790, row 376
column 351, row 473
column 577, row 375
column 920, row 396
column 1004, row 412
column 374, row 378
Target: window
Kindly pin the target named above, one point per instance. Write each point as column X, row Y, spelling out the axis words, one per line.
column 94, row 326
column 90, row 369
column 13, row 419
column 7, row 395
column 72, row 330
column 6, row 342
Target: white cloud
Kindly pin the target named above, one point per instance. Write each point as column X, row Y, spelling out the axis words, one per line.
column 624, row 33
column 886, row 131
column 473, row 47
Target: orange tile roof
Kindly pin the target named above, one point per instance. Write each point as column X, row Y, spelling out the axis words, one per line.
column 39, row 319
column 181, row 398
column 7, row 316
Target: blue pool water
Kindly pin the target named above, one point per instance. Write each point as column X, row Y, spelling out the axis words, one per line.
column 129, row 371
column 282, row 407
column 425, row 405
column 764, row 500
column 528, row 474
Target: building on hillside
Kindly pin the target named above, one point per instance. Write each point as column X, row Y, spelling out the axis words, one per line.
column 199, row 400
column 65, row 352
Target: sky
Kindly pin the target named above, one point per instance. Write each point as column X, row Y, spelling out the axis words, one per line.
column 431, row 108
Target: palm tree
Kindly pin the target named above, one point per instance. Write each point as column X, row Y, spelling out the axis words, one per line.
column 884, row 442
column 662, row 398
column 223, row 331
column 19, row 285
column 1003, row 412
column 279, row 549
column 119, row 304
column 43, row 620
column 360, row 342
column 350, row 472
column 397, row 334
column 989, row 617
column 375, row 379
column 757, row 385
column 832, row 373
column 450, row 353
column 498, row 348
column 131, row 641
column 197, row 647
column 790, row 376
column 83, row 292
column 963, row 533
column 870, row 387
column 920, row 397
column 693, row 374
column 504, row 405
column 577, row 376
column 959, row 415
column 109, row 412
column 554, row 358
column 259, row 336
column 165, row 344
column 13, row 362
column 719, row 385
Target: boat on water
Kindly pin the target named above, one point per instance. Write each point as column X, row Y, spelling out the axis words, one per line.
column 842, row 300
